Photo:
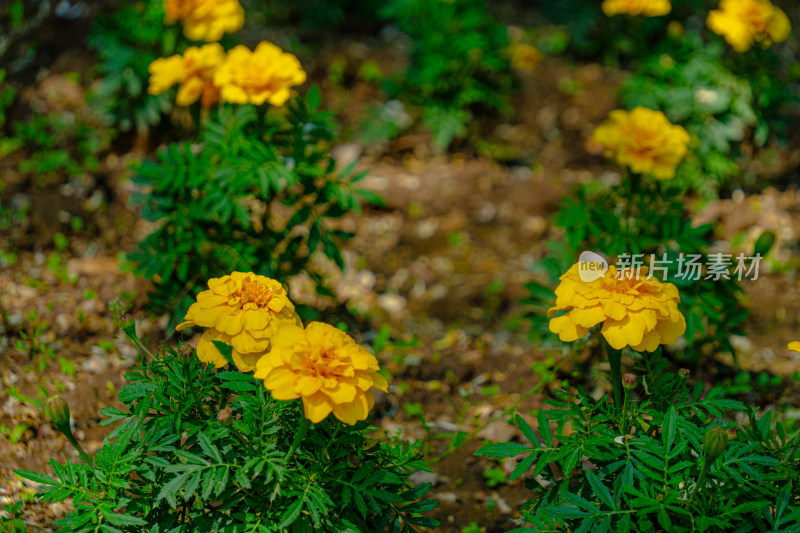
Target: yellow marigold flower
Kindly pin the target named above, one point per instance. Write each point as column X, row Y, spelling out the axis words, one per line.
column 243, row 310
column 794, row 346
column 641, row 313
column 744, row 22
column 194, row 71
column 645, row 8
column 266, row 74
column 326, row 368
column 205, row 20
column 524, row 57
column 643, row 140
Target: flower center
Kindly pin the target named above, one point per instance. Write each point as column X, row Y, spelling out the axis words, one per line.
column 255, row 292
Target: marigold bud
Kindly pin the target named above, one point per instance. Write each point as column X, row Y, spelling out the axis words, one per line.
column 629, row 381
column 57, row 411
column 715, row 442
column 128, row 325
column 185, row 352
column 684, row 373
column 225, row 416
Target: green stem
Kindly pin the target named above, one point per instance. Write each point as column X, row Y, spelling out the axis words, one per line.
column 298, row 437
column 795, row 444
column 627, row 413
column 615, row 361
column 701, row 479
column 67, row 432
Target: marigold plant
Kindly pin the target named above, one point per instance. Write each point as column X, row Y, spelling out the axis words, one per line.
column 745, row 22
column 646, row 8
column 324, row 367
column 193, row 71
column 205, row 20
column 643, row 140
column 635, row 310
column 243, row 310
column 524, row 57
column 265, row 74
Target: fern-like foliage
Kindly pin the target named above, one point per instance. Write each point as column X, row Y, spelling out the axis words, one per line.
column 172, row 465
column 256, row 194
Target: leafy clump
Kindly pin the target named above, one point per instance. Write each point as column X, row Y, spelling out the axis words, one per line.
column 459, row 65
column 127, row 41
column 645, row 468
column 256, row 194
column 203, row 450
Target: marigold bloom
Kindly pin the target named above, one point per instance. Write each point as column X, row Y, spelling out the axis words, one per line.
column 644, row 140
column 266, row 74
column 645, row 8
column 326, row 368
column 640, row 313
column 744, row 22
column 194, row 71
column 524, row 57
column 794, row 346
column 243, row 310
column 205, row 20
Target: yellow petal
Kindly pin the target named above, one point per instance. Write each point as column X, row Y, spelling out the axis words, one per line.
column 316, row 407
column 207, row 352
column 794, row 346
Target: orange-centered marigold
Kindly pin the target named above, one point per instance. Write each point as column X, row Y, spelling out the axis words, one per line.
column 205, row 20
column 646, row 8
column 744, row 22
column 267, row 74
column 194, row 71
column 640, row 313
column 243, row 310
column 643, row 140
column 324, row 367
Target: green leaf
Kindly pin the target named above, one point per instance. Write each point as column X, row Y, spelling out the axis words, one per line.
column 124, row 520
column 504, row 449
column 44, row 479
column 600, row 490
column 668, row 428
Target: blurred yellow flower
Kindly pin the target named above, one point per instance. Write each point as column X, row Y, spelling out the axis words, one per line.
column 326, row 368
column 524, row 57
column 243, row 310
column 266, row 74
column 744, row 22
column 194, row 71
column 794, row 346
column 641, row 313
column 646, row 8
column 644, row 140
column 205, row 20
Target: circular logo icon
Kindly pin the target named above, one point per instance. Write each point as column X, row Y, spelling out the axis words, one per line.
column 591, row 266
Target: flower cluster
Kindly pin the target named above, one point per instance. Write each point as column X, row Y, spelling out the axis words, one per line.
column 205, row 20
column 635, row 311
column 319, row 363
column 643, row 140
column 745, row 22
column 265, row 74
column 208, row 74
column 524, row 57
column 646, row 8
column 326, row 368
column 193, row 72
column 243, row 310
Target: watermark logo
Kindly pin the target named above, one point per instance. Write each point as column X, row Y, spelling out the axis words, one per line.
column 591, row 266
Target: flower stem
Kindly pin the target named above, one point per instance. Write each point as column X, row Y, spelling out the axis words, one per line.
column 615, row 361
column 298, row 437
column 701, row 479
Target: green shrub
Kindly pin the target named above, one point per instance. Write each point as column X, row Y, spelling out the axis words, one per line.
column 459, row 65
column 256, row 194
column 197, row 449
column 646, row 467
